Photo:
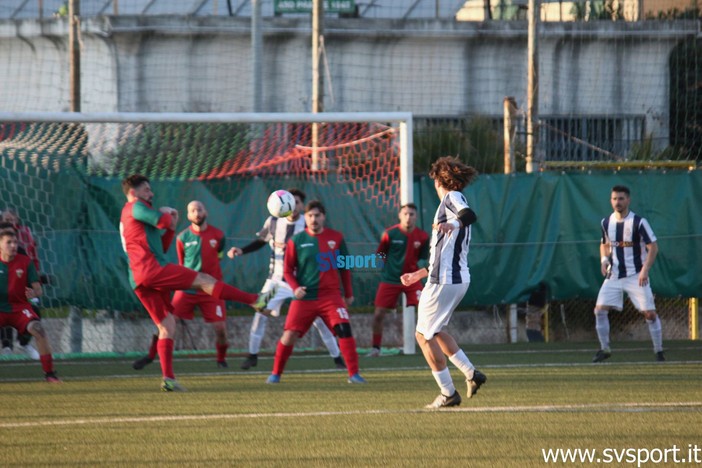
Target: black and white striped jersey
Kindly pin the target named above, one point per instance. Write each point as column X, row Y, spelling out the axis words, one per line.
column 277, row 232
column 448, row 254
column 628, row 239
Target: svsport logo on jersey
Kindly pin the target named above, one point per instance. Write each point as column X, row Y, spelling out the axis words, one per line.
column 335, row 261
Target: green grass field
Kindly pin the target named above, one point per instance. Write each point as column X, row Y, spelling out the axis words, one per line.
column 537, row 397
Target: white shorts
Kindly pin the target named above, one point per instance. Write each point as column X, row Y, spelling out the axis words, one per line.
column 436, row 305
column 282, row 294
column 612, row 294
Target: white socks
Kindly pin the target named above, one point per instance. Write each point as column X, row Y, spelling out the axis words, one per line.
column 654, row 326
column 461, row 361
column 443, row 378
column 602, row 327
column 327, row 337
column 258, row 329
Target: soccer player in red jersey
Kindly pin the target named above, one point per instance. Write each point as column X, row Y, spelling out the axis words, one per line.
column 199, row 247
column 19, row 282
column 311, row 270
column 401, row 247
column 26, row 246
column 146, row 235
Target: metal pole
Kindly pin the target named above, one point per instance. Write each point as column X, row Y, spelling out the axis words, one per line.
column 115, row 7
column 257, row 54
column 74, row 53
column 532, row 87
column 510, row 109
column 317, row 85
column 694, row 318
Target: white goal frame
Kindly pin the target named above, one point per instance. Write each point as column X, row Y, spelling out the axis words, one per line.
column 403, row 119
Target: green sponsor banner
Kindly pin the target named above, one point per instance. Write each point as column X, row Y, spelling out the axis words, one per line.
column 305, row 6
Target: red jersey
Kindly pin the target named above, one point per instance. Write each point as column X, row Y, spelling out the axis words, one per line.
column 401, row 251
column 310, row 261
column 201, row 251
column 145, row 239
column 15, row 276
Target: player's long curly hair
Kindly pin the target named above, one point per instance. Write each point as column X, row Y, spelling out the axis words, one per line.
column 451, row 173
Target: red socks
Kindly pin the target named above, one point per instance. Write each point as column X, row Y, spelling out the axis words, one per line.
column 377, row 339
column 47, row 362
column 282, row 353
column 221, row 352
column 165, row 355
column 348, row 350
column 230, row 293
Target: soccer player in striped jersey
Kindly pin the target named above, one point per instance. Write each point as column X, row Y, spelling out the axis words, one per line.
column 448, row 281
column 19, row 283
column 627, row 252
column 200, row 247
column 276, row 232
column 313, row 273
column 146, row 234
column 401, row 247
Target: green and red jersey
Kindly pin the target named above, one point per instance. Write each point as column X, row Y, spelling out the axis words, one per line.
column 402, row 251
column 145, row 239
column 201, row 251
column 310, row 261
column 15, row 277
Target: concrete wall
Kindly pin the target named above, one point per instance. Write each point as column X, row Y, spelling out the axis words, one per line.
column 428, row 67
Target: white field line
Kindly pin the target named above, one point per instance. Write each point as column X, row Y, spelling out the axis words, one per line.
column 580, row 408
column 187, row 375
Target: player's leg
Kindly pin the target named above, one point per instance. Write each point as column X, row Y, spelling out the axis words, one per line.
column 182, row 308
column 258, row 324
column 329, row 341
column 333, row 312
column 36, row 329
column 385, row 300
column 150, row 355
column 299, row 320
column 642, row 299
column 224, row 291
column 24, row 339
column 157, row 304
column 474, row 378
column 448, row 300
column 434, row 312
column 256, row 334
column 213, row 311
column 611, row 296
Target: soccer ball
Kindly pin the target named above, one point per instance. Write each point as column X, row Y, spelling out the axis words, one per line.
column 281, row 203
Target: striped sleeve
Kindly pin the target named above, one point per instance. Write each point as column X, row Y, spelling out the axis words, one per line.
column 646, row 232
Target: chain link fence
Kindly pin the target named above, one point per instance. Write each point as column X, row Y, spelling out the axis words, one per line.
column 574, row 320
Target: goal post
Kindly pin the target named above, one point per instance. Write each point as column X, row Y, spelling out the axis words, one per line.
column 368, row 161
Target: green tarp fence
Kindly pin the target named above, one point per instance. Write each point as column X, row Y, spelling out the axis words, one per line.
column 531, row 228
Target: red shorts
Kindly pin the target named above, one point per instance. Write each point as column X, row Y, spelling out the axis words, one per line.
column 19, row 318
column 387, row 294
column 302, row 313
column 171, row 277
column 157, row 302
column 213, row 310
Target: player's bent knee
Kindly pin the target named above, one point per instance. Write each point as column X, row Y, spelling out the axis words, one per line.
column 343, row 330
column 650, row 315
column 35, row 328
